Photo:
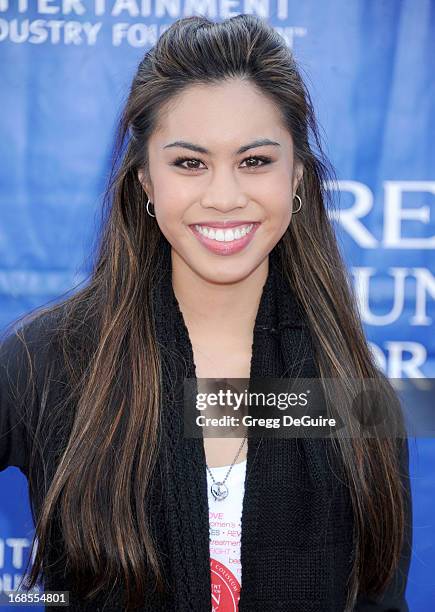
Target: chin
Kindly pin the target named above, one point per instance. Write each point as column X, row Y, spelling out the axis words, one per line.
column 227, row 269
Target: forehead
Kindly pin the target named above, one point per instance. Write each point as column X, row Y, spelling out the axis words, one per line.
column 230, row 112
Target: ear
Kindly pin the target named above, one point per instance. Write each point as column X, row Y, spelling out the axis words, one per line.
column 297, row 175
column 143, row 180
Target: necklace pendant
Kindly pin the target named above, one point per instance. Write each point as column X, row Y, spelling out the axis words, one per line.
column 219, row 490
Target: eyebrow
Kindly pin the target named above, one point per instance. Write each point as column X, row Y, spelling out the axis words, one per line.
column 260, row 142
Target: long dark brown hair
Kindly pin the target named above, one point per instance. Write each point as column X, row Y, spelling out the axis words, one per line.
column 117, row 377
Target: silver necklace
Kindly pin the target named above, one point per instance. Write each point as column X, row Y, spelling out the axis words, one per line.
column 219, row 490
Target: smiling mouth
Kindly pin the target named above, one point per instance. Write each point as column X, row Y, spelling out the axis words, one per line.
column 225, row 240
column 225, row 234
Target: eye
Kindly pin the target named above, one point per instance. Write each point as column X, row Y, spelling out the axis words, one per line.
column 262, row 158
column 179, row 161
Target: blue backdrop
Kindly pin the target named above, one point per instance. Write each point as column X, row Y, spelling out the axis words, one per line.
column 65, row 71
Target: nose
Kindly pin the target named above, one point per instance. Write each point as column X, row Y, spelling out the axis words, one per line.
column 223, row 193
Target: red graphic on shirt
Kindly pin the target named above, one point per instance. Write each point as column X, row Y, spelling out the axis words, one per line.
column 225, row 588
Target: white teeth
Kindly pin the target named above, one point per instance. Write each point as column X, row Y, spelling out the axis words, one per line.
column 224, row 235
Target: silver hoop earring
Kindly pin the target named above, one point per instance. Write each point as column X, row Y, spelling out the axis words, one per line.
column 300, row 203
column 148, row 210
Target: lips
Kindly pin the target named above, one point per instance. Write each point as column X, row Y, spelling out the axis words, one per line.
column 223, row 247
column 223, row 224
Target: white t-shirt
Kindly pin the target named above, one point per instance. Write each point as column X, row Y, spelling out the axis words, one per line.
column 225, row 533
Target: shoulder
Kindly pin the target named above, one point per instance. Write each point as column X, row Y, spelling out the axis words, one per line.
column 27, row 345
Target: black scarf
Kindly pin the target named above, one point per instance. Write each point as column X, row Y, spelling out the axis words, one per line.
column 296, row 542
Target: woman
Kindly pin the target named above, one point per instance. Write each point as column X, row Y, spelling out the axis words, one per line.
column 216, row 260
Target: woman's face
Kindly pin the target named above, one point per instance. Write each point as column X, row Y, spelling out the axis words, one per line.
column 221, row 197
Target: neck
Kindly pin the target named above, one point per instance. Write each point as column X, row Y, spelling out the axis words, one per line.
column 217, row 311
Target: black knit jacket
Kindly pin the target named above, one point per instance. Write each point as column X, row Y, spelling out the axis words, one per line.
column 297, row 524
